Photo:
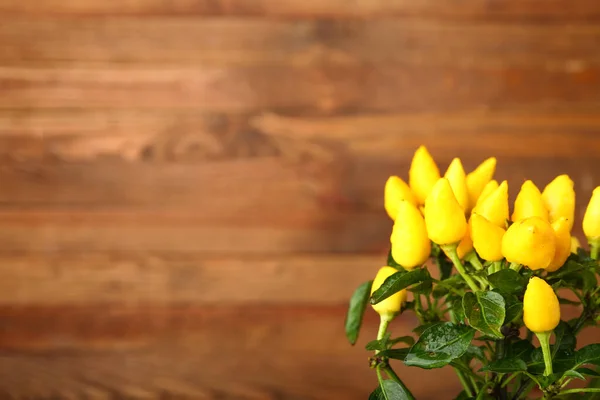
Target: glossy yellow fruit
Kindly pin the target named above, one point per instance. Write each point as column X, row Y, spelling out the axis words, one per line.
column 575, row 244
column 591, row 219
column 396, row 190
column 541, row 310
column 423, row 174
column 529, row 242
column 529, row 203
column 392, row 305
column 487, row 189
column 410, row 244
column 457, row 178
column 559, row 199
column 487, row 238
column 465, row 246
column 562, row 242
column 444, row 217
column 478, row 178
column 495, row 206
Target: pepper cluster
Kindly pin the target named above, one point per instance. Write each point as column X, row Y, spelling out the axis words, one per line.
column 464, row 220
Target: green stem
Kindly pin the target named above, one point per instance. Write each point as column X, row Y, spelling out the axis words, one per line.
column 474, row 261
column 464, row 383
column 483, row 391
column 581, row 390
column 515, row 266
column 594, row 248
column 393, row 376
column 384, row 321
column 451, row 251
column 544, row 338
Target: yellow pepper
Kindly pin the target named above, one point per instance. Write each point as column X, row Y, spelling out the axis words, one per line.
column 444, row 217
column 559, row 199
column 541, row 310
column 562, row 236
column 487, row 238
column 487, row 189
column 423, row 174
column 410, row 244
column 575, row 244
column 465, row 246
column 529, row 242
column 395, row 191
column 591, row 219
column 478, row 178
column 529, row 203
column 456, row 176
column 391, row 306
column 495, row 206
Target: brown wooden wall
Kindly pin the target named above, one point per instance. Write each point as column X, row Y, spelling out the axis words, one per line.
column 191, row 189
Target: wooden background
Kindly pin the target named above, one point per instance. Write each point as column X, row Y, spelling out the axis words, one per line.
column 190, row 190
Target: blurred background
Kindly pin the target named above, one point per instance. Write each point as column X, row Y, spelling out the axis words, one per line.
column 190, row 190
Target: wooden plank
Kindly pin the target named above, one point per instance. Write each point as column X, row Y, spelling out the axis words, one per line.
column 189, row 136
column 171, row 279
column 235, row 41
column 275, row 352
column 325, row 89
column 514, row 9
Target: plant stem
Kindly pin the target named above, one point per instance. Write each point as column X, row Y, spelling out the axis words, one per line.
column 544, row 338
column 483, row 391
column 515, row 266
column 451, row 251
column 581, row 390
column 594, row 249
column 383, row 325
column 464, row 383
column 474, row 261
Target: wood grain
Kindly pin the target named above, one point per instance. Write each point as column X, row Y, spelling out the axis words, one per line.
column 77, row 279
column 326, row 89
column 472, row 9
column 236, row 41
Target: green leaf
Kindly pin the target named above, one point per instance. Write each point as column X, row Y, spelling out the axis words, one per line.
column 356, row 310
column 442, row 288
column 389, row 390
column 587, row 371
column 506, row 365
column 396, row 354
column 485, row 312
column 386, row 342
column 422, row 328
column 439, row 345
column 408, row 340
column 514, row 308
column 589, row 354
column 398, row 281
column 521, row 349
column 457, row 309
column 574, row 374
column 564, row 340
column 508, row 281
column 475, row 352
column 380, row 344
column 424, row 287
